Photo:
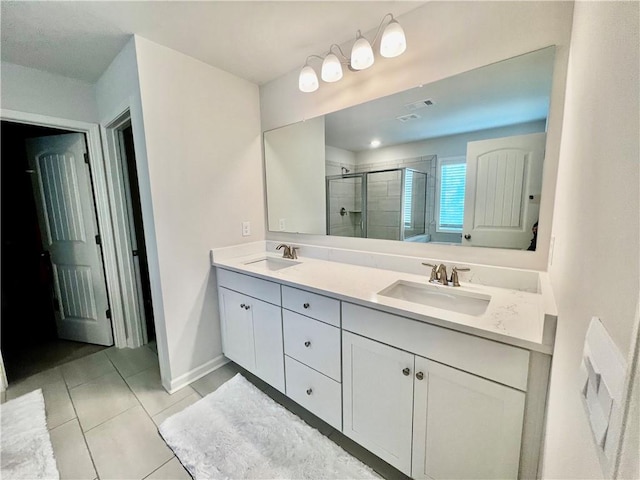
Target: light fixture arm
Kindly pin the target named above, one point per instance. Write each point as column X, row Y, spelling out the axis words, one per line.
column 377, row 35
column 306, row 62
column 344, row 58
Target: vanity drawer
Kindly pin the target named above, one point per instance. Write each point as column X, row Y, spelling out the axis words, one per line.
column 313, row 343
column 252, row 286
column 485, row 358
column 317, row 393
column 312, row 305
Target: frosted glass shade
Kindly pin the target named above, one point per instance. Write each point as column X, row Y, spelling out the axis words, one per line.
column 331, row 69
column 393, row 41
column 308, row 80
column 361, row 54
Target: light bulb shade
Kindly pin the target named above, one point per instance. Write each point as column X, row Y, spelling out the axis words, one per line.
column 308, row 80
column 331, row 68
column 361, row 54
column 393, row 41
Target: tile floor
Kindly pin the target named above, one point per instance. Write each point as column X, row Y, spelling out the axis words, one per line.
column 103, row 411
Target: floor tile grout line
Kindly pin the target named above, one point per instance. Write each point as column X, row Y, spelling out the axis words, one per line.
column 151, row 473
column 84, row 438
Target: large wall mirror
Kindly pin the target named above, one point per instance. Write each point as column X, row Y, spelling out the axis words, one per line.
column 458, row 161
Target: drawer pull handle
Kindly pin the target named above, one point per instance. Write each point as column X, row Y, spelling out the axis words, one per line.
column 309, row 391
column 406, row 371
column 419, row 375
column 307, row 344
column 306, row 305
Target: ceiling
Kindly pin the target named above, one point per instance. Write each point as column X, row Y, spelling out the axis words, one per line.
column 510, row 92
column 258, row 41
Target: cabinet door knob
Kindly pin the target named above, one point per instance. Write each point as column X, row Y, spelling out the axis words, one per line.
column 307, row 343
column 247, row 307
column 306, row 305
column 406, row 371
column 242, row 305
column 419, row 375
column 309, row 391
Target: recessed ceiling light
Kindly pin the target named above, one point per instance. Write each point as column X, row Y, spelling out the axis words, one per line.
column 375, row 143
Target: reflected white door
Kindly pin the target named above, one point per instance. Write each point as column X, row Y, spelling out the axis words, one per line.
column 502, row 197
column 67, row 220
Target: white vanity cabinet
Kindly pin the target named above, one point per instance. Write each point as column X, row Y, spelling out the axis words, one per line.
column 429, row 420
column 251, row 327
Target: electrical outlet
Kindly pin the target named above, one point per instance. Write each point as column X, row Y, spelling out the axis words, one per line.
column 282, row 225
column 246, row 229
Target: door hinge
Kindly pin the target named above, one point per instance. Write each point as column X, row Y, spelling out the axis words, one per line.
column 134, row 253
column 56, row 305
column 108, row 313
column 98, row 240
column 86, row 158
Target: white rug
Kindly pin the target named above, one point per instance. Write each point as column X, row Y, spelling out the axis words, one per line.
column 238, row 432
column 25, row 446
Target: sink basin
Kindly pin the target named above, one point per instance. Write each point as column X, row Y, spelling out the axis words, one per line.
column 272, row 264
column 447, row 298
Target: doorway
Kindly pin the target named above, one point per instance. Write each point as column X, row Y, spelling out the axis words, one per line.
column 31, row 302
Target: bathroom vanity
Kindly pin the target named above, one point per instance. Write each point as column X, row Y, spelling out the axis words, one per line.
column 438, row 381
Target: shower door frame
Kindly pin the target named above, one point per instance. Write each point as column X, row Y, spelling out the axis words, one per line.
column 363, row 200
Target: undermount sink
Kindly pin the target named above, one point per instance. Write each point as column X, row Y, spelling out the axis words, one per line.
column 272, row 264
column 447, row 298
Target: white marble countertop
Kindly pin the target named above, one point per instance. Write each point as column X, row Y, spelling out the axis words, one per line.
column 513, row 317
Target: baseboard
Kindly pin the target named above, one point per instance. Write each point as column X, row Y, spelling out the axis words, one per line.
column 198, row 372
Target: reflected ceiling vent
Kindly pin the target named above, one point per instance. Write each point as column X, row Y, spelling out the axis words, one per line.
column 407, row 118
column 421, row 104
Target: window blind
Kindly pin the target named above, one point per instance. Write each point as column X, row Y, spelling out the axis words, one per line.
column 408, row 197
column 452, row 186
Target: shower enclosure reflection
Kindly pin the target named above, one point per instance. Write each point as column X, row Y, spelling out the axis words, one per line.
column 385, row 204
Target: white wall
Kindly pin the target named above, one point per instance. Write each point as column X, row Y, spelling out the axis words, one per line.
column 294, row 161
column 449, row 146
column 33, row 91
column 203, row 142
column 444, row 39
column 595, row 263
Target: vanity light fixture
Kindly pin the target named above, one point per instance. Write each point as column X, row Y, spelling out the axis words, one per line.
column 392, row 43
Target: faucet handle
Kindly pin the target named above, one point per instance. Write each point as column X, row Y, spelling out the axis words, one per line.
column 434, row 271
column 454, row 275
column 294, row 255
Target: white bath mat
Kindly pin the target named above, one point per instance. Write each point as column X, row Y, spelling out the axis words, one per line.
column 25, row 447
column 238, row 432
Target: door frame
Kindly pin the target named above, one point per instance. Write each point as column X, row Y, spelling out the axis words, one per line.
column 118, row 296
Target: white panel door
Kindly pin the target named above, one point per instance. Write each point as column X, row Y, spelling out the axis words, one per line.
column 237, row 328
column 503, row 187
column 68, row 224
column 378, row 398
column 464, row 426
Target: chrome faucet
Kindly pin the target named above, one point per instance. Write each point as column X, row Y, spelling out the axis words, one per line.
column 288, row 251
column 442, row 274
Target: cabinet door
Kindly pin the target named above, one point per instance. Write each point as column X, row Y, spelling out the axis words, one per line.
column 267, row 336
column 464, row 426
column 378, row 398
column 237, row 328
